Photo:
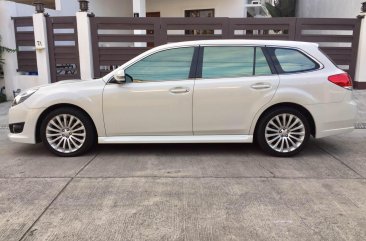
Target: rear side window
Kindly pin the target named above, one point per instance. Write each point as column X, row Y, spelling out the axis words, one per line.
column 292, row 61
column 231, row 62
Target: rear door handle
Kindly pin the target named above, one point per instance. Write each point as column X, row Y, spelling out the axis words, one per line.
column 179, row 90
column 261, row 86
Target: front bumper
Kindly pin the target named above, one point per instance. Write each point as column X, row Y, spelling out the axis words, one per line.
column 22, row 114
column 16, row 128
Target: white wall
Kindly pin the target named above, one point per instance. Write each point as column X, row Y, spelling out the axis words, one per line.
column 167, row 8
column 328, row 8
column 176, row 8
column 66, row 8
column 111, row 8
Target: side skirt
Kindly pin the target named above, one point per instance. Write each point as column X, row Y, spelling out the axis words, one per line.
column 176, row 139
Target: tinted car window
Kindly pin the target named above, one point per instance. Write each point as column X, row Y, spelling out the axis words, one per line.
column 167, row 65
column 221, row 62
column 230, row 62
column 261, row 64
column 292, row 61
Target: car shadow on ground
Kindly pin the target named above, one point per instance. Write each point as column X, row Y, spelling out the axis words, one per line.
column 246, row 149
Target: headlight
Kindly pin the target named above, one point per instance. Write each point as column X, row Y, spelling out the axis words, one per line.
column 23, row 96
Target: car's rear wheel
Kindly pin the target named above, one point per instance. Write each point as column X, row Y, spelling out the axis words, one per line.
column 67, row 132
column 283, row 132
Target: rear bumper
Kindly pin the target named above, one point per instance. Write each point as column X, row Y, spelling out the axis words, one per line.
column 334, row 118
column 22, row 114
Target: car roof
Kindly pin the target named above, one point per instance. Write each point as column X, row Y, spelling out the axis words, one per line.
column 281, row 43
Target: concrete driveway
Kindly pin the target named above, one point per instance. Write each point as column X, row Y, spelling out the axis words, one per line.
column 184, row 192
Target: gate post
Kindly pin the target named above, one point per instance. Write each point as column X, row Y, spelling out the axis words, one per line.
column 41, row 43
column 85, row 46
column 139, row 11
column 360, row 77
column 7, row 34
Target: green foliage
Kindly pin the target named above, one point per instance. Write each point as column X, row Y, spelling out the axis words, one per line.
column 2, row 50
column 2, row 97
column 282, row 8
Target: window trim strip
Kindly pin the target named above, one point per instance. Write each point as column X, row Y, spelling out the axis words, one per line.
column 194, row 63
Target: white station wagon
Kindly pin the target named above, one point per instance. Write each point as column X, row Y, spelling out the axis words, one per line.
column 276, row 93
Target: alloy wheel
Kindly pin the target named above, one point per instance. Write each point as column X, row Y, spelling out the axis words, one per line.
column 65, row 133
column 285, row 133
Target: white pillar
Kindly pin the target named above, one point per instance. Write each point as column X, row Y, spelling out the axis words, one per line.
column 7, row 10
column 139, row 7
column 85, row 46
column 40, row 38
column 361, row 59
column 58, row 5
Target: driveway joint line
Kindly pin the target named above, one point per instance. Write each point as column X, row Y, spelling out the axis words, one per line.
column 338, row 159
column 5, row 178
column 87, row 164
column 190, row 177
column 55, row 198
column 47, row 207
column 186, row 177
column 269, row 171
column 213, row 177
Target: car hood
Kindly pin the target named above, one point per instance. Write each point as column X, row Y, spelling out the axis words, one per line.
column 69, row 91
column 72, row 85
column 63, row 82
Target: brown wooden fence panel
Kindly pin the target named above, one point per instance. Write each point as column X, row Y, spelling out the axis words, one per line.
column 338, row 38
column 63, row 48
column 24, row 40
column 190, row 29
column 114, row 39
column 263, row 28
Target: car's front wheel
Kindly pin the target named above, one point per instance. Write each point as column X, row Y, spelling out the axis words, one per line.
column 283, row 132
column 67, row 132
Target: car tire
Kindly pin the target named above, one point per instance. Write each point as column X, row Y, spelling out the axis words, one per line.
column 283, row 132
column 67, row 132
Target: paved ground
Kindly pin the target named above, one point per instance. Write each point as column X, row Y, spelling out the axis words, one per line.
column 184, row 192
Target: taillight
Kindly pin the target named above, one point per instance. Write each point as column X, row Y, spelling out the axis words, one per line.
column 342, row 80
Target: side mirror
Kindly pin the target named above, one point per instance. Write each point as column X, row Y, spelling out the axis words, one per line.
column 120, row 77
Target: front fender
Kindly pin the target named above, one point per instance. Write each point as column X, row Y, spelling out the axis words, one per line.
column 85, row 96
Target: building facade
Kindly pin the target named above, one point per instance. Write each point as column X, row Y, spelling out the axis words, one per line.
column 328, row 8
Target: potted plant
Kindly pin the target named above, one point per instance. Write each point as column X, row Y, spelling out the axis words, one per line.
column 282, row 8
column 2, row 62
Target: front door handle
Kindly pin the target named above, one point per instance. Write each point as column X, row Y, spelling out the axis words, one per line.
column 260, row 86
column 179, row 90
